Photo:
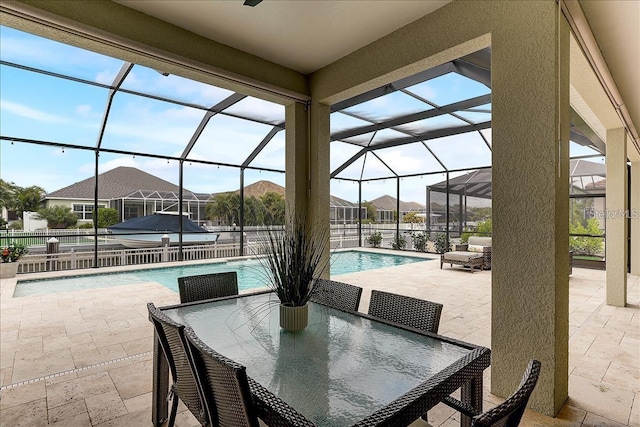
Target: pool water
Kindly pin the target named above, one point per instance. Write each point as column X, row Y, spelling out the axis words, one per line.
column 251, row 274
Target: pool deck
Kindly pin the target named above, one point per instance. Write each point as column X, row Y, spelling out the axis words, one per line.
column 83, row 358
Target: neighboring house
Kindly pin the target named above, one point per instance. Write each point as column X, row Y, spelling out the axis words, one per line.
column 344, row 212
column 132, row 192
column 386, row 206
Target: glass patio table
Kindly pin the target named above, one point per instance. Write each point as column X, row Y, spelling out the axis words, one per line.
column 344, row 369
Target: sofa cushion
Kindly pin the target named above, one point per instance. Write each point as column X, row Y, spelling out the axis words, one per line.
column 475, row 248
column 461, row 256
column 480, row 241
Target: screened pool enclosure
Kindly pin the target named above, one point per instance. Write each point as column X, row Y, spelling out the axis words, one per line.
column 70, row 115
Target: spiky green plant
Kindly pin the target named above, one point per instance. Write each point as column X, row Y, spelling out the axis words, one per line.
column 294, row 259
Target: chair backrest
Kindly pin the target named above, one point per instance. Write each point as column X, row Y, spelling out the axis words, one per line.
column 336, row 294
column 409, row 311
column 509, row 412
column 173, row 343
column 207, row 286
column 480, row 240
column 223, row 384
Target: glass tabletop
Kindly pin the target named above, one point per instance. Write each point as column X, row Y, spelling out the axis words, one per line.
column 340, row 369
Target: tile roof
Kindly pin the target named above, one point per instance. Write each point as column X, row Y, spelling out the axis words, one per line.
column 115, row 183
column 388, row 203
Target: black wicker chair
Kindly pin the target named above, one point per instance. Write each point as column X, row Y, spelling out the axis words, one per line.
column 230, row 397
column 172, row 340
column 508, row 413
column 338, row 295
column 207, row 286
column 409, row 311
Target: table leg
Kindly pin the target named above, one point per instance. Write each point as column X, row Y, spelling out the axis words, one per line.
column 160, row 385
column 471, row 394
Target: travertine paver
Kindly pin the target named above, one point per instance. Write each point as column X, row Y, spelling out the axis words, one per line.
column 94, row 349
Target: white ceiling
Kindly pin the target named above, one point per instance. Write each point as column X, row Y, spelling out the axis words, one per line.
column 306, row 35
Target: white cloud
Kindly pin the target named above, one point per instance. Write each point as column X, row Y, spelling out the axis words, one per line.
column 30, row 113
column 105, row 77
column 84, row 110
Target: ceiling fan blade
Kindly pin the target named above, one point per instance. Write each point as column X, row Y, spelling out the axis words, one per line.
column 251, row 2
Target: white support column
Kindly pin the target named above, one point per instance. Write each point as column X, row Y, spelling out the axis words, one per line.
column 616, row 217
column 635, row 218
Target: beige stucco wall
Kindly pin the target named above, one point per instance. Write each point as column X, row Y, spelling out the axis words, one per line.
column 634, row 211
column 616, row 212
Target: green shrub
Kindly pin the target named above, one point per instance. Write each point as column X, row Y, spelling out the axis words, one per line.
column 420, row 241
column 585, row 245
column 464, row 237
column 107, row 217
column 375, row 239
column 16, row 225
column 484, row 228
column 442, row 243
column 400, row 242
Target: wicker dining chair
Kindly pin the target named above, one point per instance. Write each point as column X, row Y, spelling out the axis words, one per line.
column 207, row 286
column 338, row 295
column 508, row 413
column 172, row 340
column 409, row 311
column 230, row 397
column 223, row 385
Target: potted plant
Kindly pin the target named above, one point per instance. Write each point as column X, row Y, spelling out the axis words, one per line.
column 293, row 260
column 375, row 239
column 442, row 243
column 10, row 256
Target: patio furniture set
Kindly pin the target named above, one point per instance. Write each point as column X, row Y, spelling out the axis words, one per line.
column 229, row 362
column 475, row 254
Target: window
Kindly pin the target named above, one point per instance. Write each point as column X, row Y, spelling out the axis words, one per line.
column 85, row 212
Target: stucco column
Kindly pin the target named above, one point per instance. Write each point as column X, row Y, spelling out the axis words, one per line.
column 635, row 218
column 530, row 259
column 307, row 160
column 617, row 208
column 307, row 163
column 296, row 159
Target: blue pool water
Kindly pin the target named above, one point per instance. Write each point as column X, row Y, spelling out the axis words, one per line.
column 250, row 273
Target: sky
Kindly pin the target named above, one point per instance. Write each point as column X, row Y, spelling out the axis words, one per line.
column 47, row 108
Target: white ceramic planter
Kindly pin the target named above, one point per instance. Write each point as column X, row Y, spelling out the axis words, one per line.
column 294, row 319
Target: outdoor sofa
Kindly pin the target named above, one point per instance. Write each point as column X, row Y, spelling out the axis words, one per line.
column 475, row 254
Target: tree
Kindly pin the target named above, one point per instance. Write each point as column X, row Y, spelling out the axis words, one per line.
column 58, row 216
column 225, row 206
column 253, row 211
column 372, row 211
column 28, row 199
column 412, row 217
column 8, row 195
column 107, row 217
column 274, row 207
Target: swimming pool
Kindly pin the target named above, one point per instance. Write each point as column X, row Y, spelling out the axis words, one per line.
column 250, row 273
